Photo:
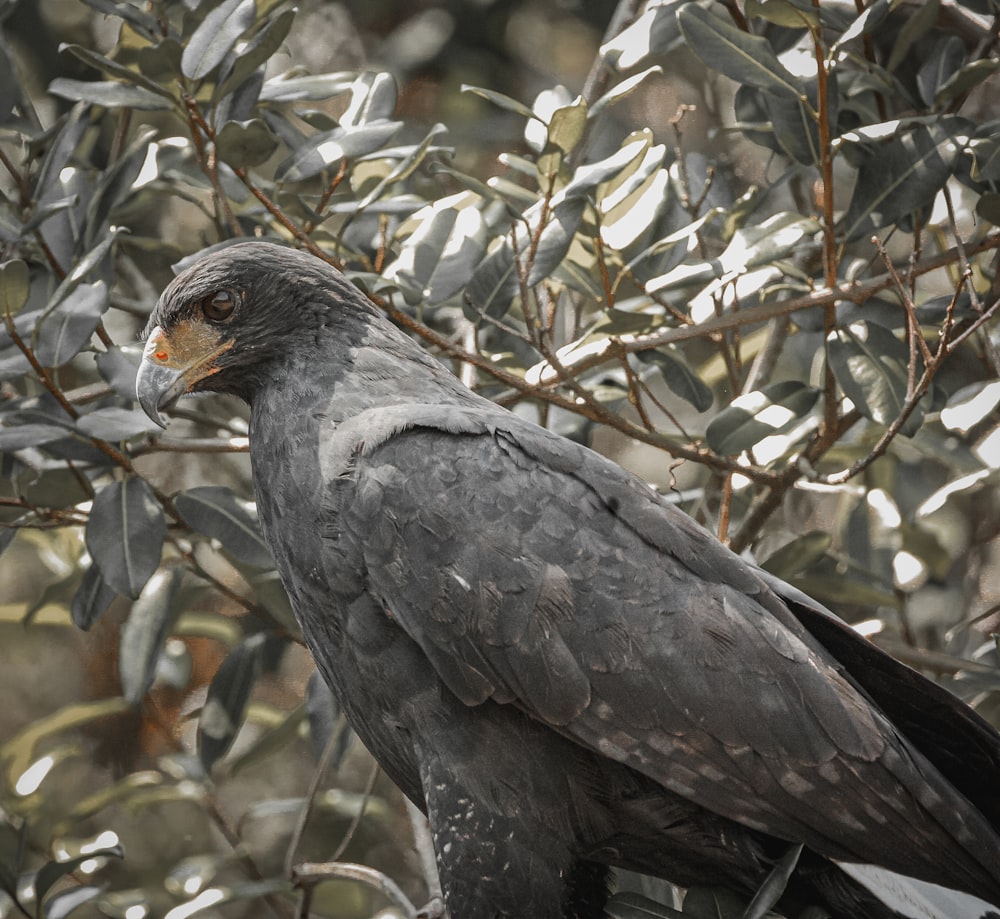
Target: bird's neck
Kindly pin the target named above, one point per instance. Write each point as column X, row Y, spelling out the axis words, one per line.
column 337, row 377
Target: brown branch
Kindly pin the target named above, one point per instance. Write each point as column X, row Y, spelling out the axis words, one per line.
column 850, row 291
column 208, row 161
column 41, row 372
column 830, row 401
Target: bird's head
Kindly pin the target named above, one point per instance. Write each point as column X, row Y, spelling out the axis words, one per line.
column 227, row 321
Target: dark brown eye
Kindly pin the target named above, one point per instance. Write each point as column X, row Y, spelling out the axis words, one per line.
column 219, row 306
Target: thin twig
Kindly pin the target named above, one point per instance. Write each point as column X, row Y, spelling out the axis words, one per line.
column 830, row 400
column 356, row 819
column 309, row 874
column 333, row 741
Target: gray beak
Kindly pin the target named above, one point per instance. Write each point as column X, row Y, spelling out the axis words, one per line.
column 158, row 384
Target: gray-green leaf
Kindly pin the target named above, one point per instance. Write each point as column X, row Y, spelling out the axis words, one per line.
column 109, row 94
column 215, row 37
column 214, row 511
column 871, row 366
column 125, row 534
column 740, row 56
column 775, row 409
column 144, row 632
column 228, row 694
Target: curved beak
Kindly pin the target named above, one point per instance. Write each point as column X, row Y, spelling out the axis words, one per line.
column 172, row 364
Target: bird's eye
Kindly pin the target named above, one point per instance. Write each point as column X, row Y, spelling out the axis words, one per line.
column 219, row 306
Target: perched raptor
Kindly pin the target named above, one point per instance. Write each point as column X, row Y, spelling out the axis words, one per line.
column 564, row 671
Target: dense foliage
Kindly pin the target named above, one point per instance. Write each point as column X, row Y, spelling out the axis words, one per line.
column 753, row 254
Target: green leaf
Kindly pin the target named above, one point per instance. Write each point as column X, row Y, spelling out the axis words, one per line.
column 67, row 901
column 826, row 582
column 92, row 598
column 144, row 632
column 143, row 22
column 870, row 365
column 125, row 534
column 792, row 14
column 118, row 366
column 404, row 168
column 268, row 744
column 228, row 694
column 271, row 595
column 495, row 283
column 567, row 124
column 798, row 555
column 438, row 257
column 110, row 95
column 920, row 18
column 795, row 132
column 65, row 330
column 161, row 62
column 50, row 874
column 114, row 69
column 319, row 87
column 15, row 285
column 898, row 177
column 774, row 884
column 56, row 488
column 67, row 138
column 679, row 377
column 114, row 424
column 245, row 143
column 622, row 89
column 500, row 100
column 740, row 56
column 22, row 436
column 215, row 37
column 871, row 17
column 630, row 214
column 944, row 60
column 751, row 247
column 19, row 751
column 628, row 158
column 555, row 239
column 373, row 99
column 967, row 78
column 323, row 150
column 115, row 186
column 775, row 409
column 215, row 511
column 654, row 33
column 262, row 48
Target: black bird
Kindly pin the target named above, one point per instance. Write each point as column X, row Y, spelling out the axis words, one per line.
column 561, row 669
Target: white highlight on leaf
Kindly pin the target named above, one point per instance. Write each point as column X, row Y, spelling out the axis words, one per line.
column 204, row 900
column 30, row 780
column 908, row 571
column 884, row 508
column 970, row 406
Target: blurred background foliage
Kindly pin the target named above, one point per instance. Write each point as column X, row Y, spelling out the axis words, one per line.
column 660, row 228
